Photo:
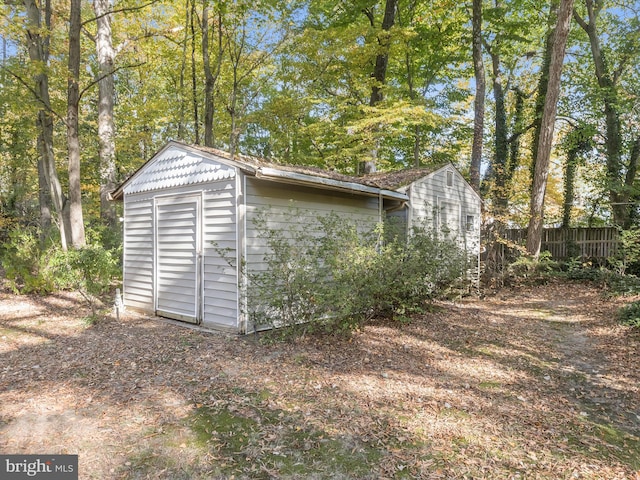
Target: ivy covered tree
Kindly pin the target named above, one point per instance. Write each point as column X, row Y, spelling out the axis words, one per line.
column 615, row 56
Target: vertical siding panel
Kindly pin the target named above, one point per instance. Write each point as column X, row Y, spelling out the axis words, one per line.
column 177, row 256
column 220, row 276
column 138, row 253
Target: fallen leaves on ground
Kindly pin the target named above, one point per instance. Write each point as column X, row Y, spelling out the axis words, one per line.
column 533, row 382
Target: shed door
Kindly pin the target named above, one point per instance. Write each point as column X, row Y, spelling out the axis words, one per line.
column 177, row 258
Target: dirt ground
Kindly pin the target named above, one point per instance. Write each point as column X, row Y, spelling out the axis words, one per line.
column 536, row 382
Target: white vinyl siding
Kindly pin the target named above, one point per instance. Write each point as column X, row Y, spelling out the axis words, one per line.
column 177, row 257
column 138, row 253
column 220, row 277
column 308, row 204
column 448, row 218
column 440, row 207
column 214, row 299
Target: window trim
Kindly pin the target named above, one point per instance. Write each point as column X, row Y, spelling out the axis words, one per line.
column 449, row 178
column 470, row 223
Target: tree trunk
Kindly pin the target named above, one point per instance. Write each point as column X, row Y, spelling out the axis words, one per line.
column 501, row 141
column 38, row 47
column 194, row 77
column 534, row 232
column 417, row 131
column 235, row 54
column 478, row 105
column 106, row 128
column 632, row 170
column 211, row 75
column 579, row 141
column 517, row 130
column 382, row 59
column 232, row 109
column 44, row 199
column 543, row 82
column 569, row 186
column 210, row 78
column 209, row 81
column 73, row 140
column 608, row 90
column 183, row 68
column 413, row 95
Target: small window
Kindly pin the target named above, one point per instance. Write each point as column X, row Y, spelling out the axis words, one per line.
column 449, row 178
column 470, row 223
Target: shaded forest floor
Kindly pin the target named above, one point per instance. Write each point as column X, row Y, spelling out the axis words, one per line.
column 527, row 383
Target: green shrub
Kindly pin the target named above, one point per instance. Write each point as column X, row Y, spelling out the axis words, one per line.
column 31, row 269
column 88, row 270
column 630, row 314
column 627, row 257
column 335, row 274
column 532, row 269
column 282, row 294
column 577, row 269
column 615, row 282
column 109, row 238
column 622, row 284
column 24, row 262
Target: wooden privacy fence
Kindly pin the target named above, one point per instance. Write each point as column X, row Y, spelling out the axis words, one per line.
column 564, row 243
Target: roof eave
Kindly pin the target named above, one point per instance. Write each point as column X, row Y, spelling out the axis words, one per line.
column 274, row 174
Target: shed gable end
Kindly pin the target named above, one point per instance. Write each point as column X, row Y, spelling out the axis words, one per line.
column 175, row 167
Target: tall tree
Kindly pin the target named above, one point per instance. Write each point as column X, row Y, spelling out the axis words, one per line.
column 620, row 175
column 478, row 105
column 534, row 232
column 38, row 39
column 379, row 74
column 498, row 169
column 76, row 219
column 543, row 81
column 106, row 92
column 512, row 35
column 211, row 75
column 508, row 39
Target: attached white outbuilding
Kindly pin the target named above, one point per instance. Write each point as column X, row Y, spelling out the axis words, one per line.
column 189, row 222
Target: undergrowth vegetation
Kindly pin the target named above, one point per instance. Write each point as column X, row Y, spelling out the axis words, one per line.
column 34, row 266
column 333, row 274
column 630, row 314
column 617, row 275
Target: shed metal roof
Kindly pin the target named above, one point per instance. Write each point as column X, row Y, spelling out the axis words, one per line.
column 192, row 164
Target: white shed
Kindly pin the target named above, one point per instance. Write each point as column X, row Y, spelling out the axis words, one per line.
column 438, row 198
column 189, row 211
